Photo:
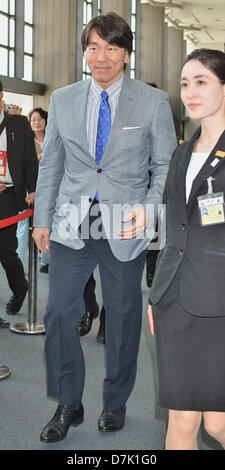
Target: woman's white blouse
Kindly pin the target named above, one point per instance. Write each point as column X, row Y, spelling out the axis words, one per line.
column 197, row 161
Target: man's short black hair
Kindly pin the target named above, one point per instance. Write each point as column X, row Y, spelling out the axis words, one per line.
column 110, row 27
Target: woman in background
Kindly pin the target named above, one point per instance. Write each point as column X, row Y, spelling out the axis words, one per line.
column 187, row 297
column 38, row 121
column 38, row 118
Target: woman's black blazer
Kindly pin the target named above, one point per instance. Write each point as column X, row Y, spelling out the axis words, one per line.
column 198, row 251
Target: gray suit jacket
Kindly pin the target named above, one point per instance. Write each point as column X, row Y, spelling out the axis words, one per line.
column 142, row 138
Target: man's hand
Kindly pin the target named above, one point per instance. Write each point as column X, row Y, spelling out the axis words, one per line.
column 2, row 186
column 140, row 218
column 41, row 237
column 30, row 198
column 15, row 109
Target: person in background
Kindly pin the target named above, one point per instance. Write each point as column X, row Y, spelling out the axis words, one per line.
column 18, row 175
column 4, row 370
column 38, row 119
column 187, row 295
column 22, row 226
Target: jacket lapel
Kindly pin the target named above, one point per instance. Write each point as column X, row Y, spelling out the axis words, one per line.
column 126, row 102
column 213, row 162
column 79, row 115
column 123, row 112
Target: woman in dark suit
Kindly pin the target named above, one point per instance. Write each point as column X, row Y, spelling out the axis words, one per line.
column 18, row 175
column 187, row 297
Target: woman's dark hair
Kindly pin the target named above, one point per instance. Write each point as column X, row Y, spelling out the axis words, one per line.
column 40, row 111
column 1, row 86
column 212, row 59
column 110, row 27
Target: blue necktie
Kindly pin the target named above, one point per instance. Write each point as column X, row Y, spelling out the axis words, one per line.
column 103, row 129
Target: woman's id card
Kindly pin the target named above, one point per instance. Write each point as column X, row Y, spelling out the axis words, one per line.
column 211, row 210
column 211, row 207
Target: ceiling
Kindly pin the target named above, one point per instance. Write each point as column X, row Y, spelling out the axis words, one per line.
column 207, row 16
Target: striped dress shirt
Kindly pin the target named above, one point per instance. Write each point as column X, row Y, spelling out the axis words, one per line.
column 92, row 111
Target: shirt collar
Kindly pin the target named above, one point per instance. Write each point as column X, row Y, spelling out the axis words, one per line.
column 113, row 91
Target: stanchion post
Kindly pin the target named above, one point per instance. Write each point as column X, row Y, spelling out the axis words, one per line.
column 32, row 276
column 31, row 326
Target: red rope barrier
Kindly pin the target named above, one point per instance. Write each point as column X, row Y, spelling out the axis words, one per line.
column 16, row 218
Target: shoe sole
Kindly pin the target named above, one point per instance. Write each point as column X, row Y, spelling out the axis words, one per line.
column 110, row 430
column 74, row 424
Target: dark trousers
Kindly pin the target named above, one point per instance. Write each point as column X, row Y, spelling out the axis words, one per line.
column 8, row 245
column 121, row 289
column 151, row 258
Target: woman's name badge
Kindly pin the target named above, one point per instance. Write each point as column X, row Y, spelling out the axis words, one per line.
column 211, row 206
column 3, row 162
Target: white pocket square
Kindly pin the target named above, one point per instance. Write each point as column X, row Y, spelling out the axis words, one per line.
column 132, row 127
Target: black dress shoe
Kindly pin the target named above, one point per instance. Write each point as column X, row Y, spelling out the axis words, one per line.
column 85, row 323
column 4, row 323
column 111, row 421
column 101, row 332
column 15, row 303
column 64, row 417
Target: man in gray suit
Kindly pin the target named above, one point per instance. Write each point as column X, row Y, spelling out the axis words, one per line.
column 93, row 206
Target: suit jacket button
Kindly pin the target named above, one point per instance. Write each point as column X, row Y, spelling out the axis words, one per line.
column 181, row 252
column 183, row 227
column 99, row 170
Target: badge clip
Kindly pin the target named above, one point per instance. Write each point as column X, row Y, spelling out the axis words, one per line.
column 210, row 186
